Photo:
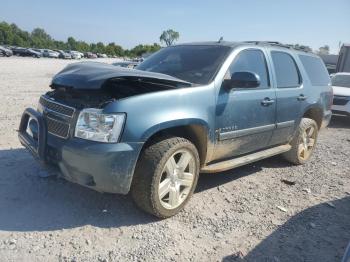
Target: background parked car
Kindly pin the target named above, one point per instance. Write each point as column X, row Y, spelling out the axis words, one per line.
column 341, row 91
column 5, row 51
column 102, row 55
column 63, row 54
column 82, row 54
column 41, row 51
column 90, row 55
column 49, row 53
column 138, row 59
column 75, row 54
column 20, row 51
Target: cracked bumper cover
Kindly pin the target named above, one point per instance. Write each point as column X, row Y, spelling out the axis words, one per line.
column 101, row 166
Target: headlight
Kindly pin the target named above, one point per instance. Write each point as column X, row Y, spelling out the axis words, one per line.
column 93, row 125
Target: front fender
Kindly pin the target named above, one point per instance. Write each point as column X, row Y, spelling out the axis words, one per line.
column 149, row 113
column 174, row 123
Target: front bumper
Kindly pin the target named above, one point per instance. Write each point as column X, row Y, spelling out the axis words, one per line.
column 100, row 166
column 341, row 105
column 341, row 109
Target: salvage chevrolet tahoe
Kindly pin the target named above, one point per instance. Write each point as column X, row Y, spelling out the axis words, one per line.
column 189, row 108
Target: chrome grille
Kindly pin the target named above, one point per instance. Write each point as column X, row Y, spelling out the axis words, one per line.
column 57, row 128
column 57, row 107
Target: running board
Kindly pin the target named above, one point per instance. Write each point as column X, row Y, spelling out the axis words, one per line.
column 243, row 160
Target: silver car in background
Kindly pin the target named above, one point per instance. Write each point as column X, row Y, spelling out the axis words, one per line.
column 341, row 91
column 5, row 51
column 75, row 54
column 49, row 53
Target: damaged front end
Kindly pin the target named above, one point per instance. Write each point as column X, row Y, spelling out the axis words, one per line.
column 71, row 130
column 92, row 84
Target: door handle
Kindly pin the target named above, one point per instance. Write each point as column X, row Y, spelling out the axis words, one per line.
column 267, row 101
column 301, row 97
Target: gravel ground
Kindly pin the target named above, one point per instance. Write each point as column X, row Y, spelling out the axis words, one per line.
column 247, row 214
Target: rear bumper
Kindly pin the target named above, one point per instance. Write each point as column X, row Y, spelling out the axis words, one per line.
column 100, row 166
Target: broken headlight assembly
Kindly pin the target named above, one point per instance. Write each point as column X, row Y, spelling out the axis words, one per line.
column 94, row 125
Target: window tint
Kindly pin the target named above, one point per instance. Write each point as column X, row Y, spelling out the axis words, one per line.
column 315, row 69
column 341, row 80
column 286, row 71
column 252, row 61
column 197, row 64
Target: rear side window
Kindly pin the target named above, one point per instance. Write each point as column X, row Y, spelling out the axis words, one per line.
column 286, row 70
column 315, row 69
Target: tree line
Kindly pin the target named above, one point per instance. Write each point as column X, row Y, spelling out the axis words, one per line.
column 11, row 34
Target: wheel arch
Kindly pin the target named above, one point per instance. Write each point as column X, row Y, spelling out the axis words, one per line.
column 196, row 132
column 316, row 113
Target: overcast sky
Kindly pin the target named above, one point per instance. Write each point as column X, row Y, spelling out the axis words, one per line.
column 128, row 23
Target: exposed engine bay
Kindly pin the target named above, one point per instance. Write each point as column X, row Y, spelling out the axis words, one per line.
column 89, row 84
column 112, row 90
column 80, row 99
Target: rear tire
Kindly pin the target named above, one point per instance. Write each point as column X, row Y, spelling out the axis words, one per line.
column 303, row 143
column 166, row 176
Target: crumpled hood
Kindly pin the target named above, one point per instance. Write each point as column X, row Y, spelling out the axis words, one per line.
column 92, row 75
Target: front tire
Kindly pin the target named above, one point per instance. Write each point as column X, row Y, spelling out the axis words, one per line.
column 303, row 143
column 166, row 176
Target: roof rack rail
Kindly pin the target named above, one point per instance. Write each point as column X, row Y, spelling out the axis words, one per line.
column 275, row 43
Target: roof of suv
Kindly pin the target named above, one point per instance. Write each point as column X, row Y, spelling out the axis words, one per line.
column 252, row 43
column 213, row 43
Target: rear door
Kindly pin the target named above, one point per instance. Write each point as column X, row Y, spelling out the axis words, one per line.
column 245, row 117
column 289, row 93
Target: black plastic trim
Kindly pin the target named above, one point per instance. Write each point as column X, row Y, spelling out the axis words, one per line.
column 37, row 148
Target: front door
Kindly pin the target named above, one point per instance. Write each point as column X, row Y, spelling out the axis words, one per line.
column 245, row 117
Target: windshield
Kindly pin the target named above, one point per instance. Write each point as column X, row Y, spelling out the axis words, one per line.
column 341, row 80
column 193, row 63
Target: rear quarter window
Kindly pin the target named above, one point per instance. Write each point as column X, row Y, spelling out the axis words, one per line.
column 315, row 69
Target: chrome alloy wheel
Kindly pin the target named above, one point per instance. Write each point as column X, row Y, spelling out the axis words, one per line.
column 307, row 143
column 177, row 179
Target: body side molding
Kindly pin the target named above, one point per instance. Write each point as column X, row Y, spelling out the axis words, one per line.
column 245, row 132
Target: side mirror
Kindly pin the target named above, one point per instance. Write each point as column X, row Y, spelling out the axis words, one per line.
column 242, row 80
